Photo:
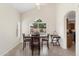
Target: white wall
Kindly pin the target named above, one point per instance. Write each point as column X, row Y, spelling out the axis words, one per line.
column 77, row 32
column 47, row 13
column 62, row 10
column 9, row 18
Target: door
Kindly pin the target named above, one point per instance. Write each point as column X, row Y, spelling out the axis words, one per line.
column 69, row 35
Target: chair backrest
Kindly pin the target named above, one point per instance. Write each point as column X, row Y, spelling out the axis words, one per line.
column 23, row 35
column 35, row 38
column 27, row 38
column 48, row 36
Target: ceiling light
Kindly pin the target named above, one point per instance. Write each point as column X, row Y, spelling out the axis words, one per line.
column 38, row 5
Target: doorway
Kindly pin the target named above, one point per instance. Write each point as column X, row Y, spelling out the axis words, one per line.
column 70, row 29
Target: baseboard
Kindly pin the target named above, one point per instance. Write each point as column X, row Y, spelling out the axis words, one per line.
column 3, row 54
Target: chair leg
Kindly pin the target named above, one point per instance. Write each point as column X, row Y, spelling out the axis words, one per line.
column 58, row 43
column 24, row 45
column 39, row 50
column 32, row 50
column 42, row 43
column 47, row 44
column 54, row 43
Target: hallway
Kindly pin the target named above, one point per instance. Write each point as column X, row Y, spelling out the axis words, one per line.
column 52, row 51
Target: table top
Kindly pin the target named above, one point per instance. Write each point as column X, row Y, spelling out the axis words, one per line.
column 41, row 36
column 55, row 36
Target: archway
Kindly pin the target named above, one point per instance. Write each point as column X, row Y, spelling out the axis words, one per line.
column 70, row 19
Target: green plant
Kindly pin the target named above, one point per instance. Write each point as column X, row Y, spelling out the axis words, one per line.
column 41, row 30
column 35, row 25
column 39, row 24
column 39, row 20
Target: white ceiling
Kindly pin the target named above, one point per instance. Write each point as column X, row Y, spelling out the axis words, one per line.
column 21, row 7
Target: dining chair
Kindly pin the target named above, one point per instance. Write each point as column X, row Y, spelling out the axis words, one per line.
column 55, row 40
column 46, row 39
column 35, row 43
column 25, row 39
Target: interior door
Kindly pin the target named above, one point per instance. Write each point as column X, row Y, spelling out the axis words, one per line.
column 69, row 35
column 69, row 40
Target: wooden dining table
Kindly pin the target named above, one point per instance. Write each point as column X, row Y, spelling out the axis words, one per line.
column 41, row 36
column 30, row 36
